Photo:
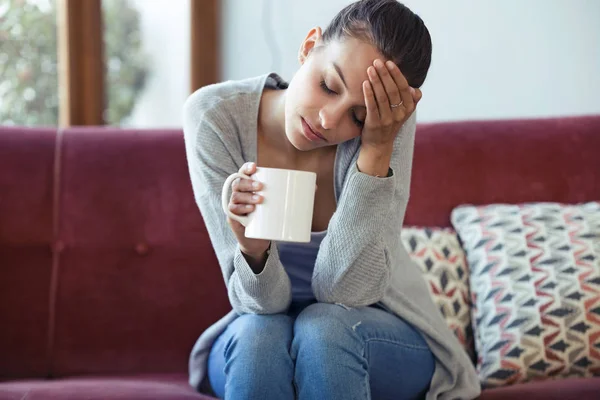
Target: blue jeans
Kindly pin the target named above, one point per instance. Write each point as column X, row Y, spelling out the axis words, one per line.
column 321, row 351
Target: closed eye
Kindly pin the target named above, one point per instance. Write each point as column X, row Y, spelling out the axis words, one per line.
column 326, row 89
column 355, row 120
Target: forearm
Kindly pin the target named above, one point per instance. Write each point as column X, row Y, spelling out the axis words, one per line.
column 368, row 220
column 351, row 266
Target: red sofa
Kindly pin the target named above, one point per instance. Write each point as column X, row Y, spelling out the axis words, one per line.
column 107, row 274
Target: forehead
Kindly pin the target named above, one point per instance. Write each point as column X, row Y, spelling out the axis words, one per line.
column 353, row 57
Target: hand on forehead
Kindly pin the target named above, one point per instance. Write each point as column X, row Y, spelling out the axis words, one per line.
column 351, row 57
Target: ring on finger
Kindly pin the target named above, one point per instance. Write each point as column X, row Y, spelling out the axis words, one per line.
column 397, row 105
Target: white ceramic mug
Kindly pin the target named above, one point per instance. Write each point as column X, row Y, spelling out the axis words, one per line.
column 287, row 208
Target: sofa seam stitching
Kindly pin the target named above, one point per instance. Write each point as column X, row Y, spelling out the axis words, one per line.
column 55, row 250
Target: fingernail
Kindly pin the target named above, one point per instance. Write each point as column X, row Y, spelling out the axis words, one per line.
column 255, row 197
column 255, row 185
column 249, row 167
column 378, row 63
column 390, row 65
column 248, row 206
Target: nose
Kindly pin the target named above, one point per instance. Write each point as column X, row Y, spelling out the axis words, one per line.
column 330, row 116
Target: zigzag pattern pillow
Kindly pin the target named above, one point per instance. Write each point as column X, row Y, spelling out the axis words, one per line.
column 439, row 255
column 535, row 281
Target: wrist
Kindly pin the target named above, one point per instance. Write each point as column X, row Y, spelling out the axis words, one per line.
column 379, row 150
column 256, row 261
column 374, row 161
column 253, row 255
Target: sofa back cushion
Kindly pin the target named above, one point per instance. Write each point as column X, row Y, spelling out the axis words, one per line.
column 26, row 227
column 138, row 278
column 485, row 162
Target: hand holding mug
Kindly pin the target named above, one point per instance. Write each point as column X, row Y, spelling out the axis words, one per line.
column 282, row 210
column 243, row 201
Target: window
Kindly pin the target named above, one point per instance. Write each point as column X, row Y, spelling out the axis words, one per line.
column 95, row 62
column 147, row 56
column 28, row 63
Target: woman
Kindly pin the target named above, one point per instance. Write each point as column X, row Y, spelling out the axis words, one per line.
column 347, row 316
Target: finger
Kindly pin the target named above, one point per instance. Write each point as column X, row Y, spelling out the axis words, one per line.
column 393, row 93
column 417, row 95
column 246, row 185
column 235, row 225
column 402, row 84
column 248, row 168
column 245, row 198
column 241, row 209
column 383, row 103
column 370, row 103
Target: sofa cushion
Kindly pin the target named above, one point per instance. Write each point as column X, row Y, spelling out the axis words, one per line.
column 563, row 389
column 440, row 256
column 27, row 190
column 144, row 387
column 535, row 279
column 508, row 161
column 137, row 280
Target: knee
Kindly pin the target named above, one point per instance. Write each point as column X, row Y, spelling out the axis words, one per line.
column 259, row 335
column 325, row 327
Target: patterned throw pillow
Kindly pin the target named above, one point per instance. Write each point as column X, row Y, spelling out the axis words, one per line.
column 535, row 281
column 438, row 253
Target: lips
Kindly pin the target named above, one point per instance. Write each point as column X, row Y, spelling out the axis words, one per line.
column 311, row 133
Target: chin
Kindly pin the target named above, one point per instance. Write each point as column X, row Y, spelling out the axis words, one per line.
column 301, row 144
column 296, row 137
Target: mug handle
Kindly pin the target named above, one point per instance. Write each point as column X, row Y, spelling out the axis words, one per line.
column 225, row 200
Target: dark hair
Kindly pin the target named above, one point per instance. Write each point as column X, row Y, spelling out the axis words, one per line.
column 398, row 33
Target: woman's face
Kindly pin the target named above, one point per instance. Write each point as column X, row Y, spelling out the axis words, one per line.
column 325, row 96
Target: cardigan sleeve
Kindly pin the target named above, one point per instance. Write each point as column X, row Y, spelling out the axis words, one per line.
column 212, row 147
column 354, row 262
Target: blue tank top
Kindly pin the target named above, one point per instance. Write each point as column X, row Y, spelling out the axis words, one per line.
column 298, row 260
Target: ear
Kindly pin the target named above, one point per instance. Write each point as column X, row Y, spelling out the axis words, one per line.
column 312, row 40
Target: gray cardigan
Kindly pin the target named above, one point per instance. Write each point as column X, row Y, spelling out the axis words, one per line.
column 361, row 260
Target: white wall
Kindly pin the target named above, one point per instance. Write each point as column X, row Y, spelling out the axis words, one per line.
column 491, row 58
